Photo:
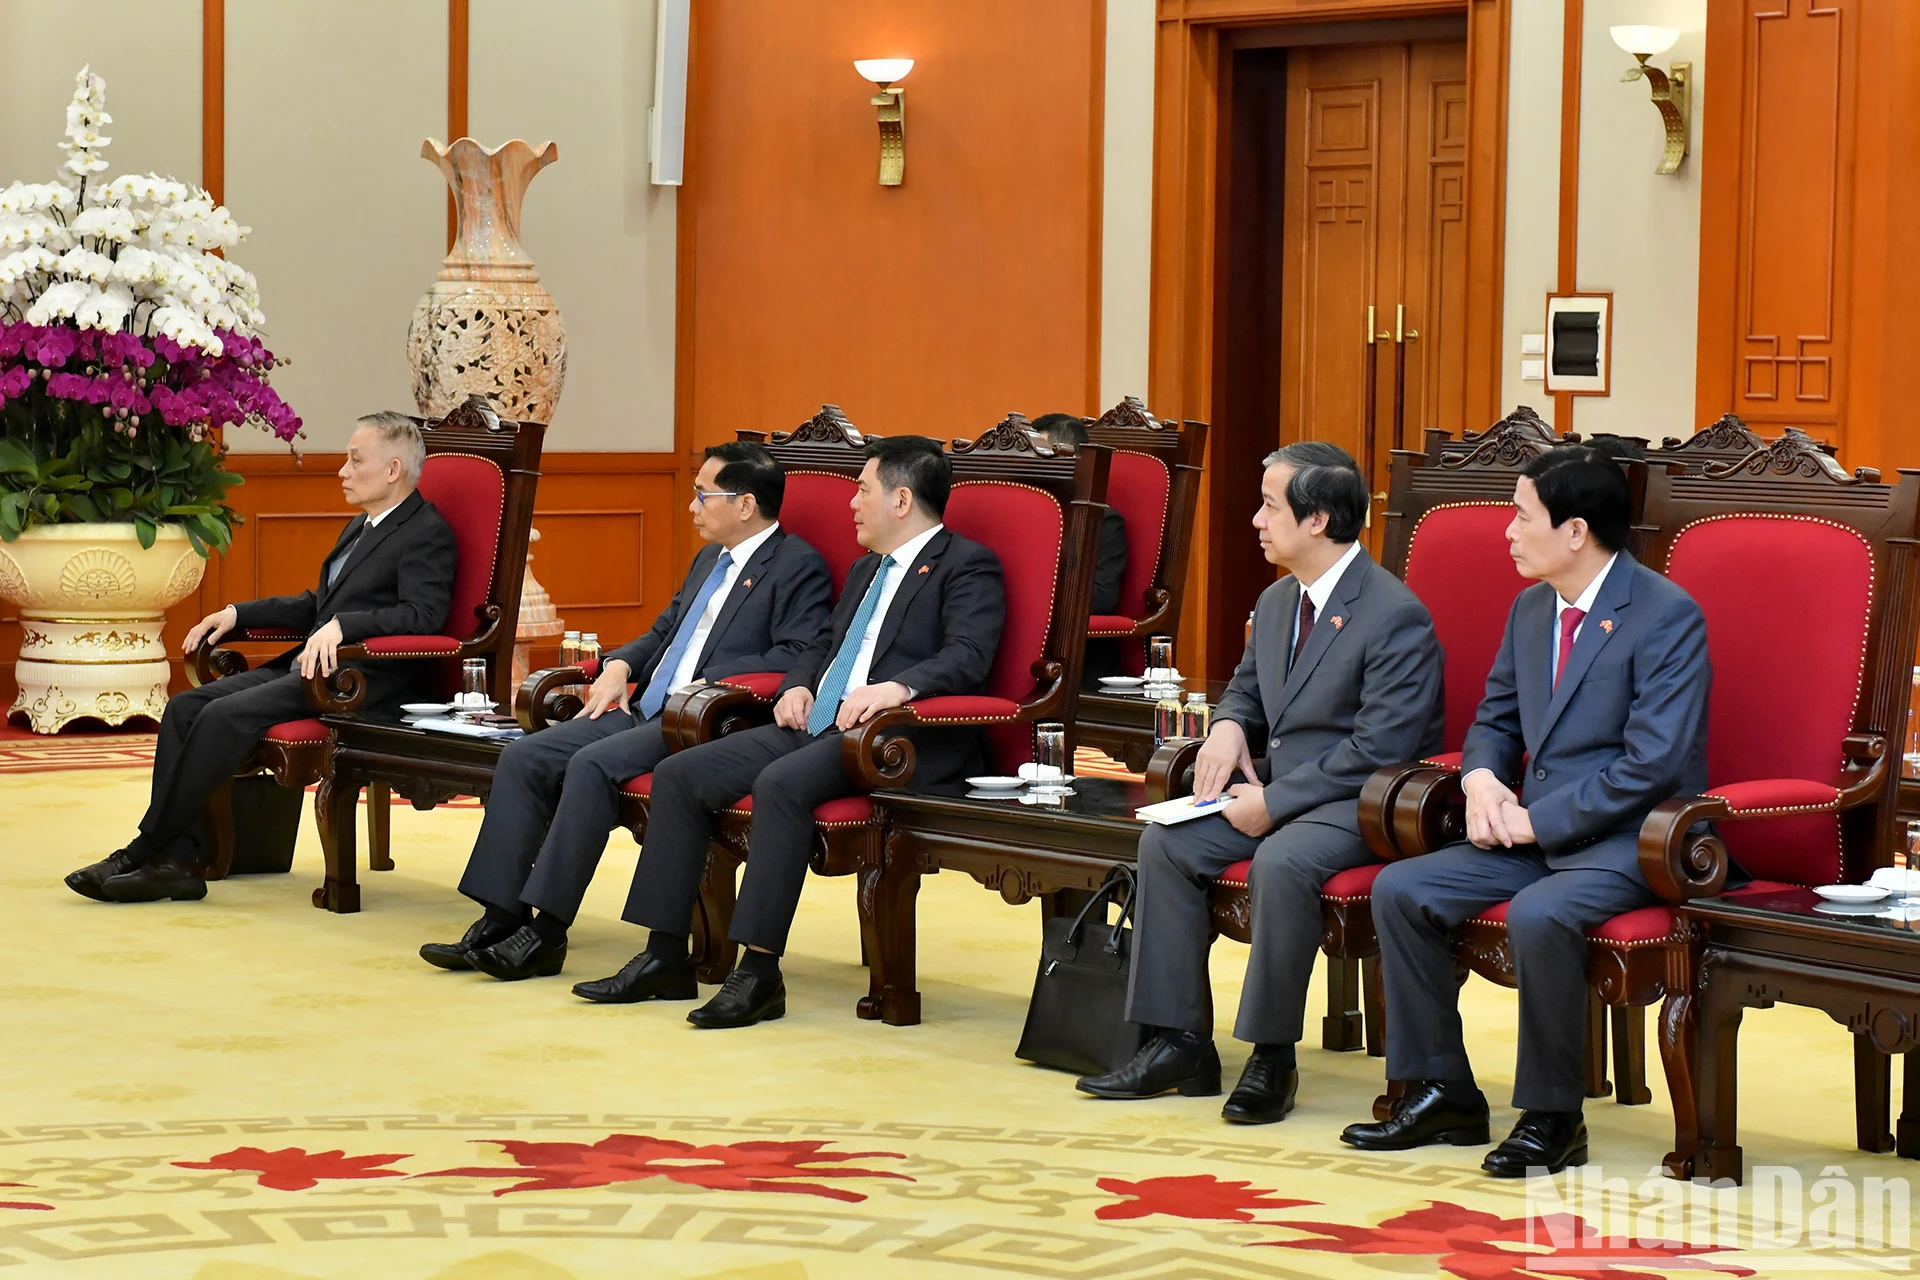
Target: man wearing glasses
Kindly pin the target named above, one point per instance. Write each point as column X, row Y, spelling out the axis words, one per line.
column 754, row 598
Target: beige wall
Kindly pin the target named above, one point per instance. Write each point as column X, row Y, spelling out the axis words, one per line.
column 600, row 232
column 326, row 107
column 148, row 52
column 1533, row 191
column 1127, row 204
column 1639, row 231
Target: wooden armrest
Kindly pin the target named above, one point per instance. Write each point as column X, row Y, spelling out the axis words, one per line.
column 543, row 699
column 1170, row 771
column 210, row 663
column 1410, row 809
column 1677, row 862
column 876, row 754
column 706, row 712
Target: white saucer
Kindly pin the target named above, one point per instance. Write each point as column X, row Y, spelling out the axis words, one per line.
column 1030, row 774
column 996, row 783
column 1852, row 892
column 1122, row 682
column 425, row 708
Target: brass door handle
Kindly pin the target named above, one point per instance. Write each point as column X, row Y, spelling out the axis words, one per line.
column 1400, row 332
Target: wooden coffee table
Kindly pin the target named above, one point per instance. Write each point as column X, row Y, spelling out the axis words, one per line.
column 1759, row 949
column 383, row 757
column 1121, row 724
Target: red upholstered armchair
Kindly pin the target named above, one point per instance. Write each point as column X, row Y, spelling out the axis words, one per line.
column 1154, row 483
column 1446, row 516
column 480, row 474
column 1038, row 509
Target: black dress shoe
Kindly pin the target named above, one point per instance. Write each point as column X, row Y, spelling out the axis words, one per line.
column 1549, row 1140
column 459, row 955
column 743, row 1001
column 1422, row 1117
column 162, row 878
column 645, row 977
column 521, row 954
column 88, row 880
column 1159, row 1066
column 1264, row 1094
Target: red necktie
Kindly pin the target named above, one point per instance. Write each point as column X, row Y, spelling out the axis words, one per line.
column 1570, row 620
column 1305, row 629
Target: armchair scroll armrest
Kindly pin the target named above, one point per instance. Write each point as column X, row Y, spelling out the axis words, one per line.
column 210, row 661
column 875, row 754
column 1680, row 863
column 1170, row 771
column 1410, row 809
column 709, row 711
column 546, row 697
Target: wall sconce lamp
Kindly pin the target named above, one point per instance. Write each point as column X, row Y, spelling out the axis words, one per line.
column 892, row 105
column 1669, row 88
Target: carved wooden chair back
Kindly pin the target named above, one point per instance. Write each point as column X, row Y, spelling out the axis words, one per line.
column 1154, row 483
column 822, row 457
column 1807, row 576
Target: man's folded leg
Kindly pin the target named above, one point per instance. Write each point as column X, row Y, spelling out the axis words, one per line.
column 785, row 794
column 205, row 735
column 520, row 808
column 689, row 787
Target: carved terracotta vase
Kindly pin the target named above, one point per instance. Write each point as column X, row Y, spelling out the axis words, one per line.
column 487, row 326
column 92, row 604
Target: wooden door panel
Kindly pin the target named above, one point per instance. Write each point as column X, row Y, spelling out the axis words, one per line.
column 1436, row 241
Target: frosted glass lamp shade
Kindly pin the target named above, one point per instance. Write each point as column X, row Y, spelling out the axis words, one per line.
column 1646, row 41
column 887, row 70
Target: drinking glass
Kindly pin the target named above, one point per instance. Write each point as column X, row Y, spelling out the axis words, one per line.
column 1050, row 759
column 1159, row 658
column 473, row 680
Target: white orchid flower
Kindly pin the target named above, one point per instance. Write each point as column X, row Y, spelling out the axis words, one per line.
column 59, row 301
column 107, row 309
column 81, row 263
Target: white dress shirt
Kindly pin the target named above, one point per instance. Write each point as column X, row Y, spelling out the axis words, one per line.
column 905, row 556
column 1584, row 604
column 1320, row 592
column 703, row 625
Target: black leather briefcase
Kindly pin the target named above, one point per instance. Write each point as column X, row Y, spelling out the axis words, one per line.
column 266, row 825
column 1077, row 1019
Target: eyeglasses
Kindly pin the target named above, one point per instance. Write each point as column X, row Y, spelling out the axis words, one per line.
column 701, row 495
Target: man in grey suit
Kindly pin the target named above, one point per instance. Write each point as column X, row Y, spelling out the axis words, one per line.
column 1342, row 676
column 1596, row 709
column 754, row 597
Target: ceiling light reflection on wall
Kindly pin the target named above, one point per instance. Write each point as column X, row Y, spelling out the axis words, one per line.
column 1669, row 88
column 891, row 105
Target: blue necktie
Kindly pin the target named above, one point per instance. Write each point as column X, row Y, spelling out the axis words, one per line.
column 833, row 687
column 655, row 695
column 340, row 561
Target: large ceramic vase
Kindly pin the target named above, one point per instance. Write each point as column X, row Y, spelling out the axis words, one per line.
column 487, row 326
column 92, row 605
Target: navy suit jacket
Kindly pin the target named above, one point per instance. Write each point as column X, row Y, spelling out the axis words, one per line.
column 1625, row 729
column 776, row 608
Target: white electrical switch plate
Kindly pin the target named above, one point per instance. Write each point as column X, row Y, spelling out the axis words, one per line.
column 1533, row 344
column 1533, row 371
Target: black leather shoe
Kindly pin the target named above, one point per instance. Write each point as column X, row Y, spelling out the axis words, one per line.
column 157, row 880
column 1159, row 1066
column 743, row 1001
column 1422, row 1117
column 459, row 955
column 1548, row 1140
column 88, row 880
column 645, row 977
column 1264, row 1094
column 521, row 954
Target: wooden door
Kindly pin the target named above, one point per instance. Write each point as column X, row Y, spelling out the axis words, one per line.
column 1374, row 216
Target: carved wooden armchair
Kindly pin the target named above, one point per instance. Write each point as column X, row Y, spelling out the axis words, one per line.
column 1155, row 483
column 1038, row 509
column 1445, row 520
column 480, row 474
column 1800, row 753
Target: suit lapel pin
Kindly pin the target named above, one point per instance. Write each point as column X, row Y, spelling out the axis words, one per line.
column 926, row 568
column 1606, row 625
column 745, row 583
column 1337, row 621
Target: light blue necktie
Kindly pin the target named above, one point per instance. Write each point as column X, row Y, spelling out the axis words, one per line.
column 833, row 687
column 655, row 695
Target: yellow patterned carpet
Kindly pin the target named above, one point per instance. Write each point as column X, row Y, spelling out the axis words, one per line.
column 249, row 1089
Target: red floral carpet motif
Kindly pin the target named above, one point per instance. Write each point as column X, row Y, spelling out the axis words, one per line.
column 1199, row 1195
column 624, row 1157
column 1469, row 1243
column 21, row 1204
column 295, row 1169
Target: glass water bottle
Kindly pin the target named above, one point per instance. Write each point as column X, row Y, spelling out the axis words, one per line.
column 1196, row 718
column 570, row 649
column 1166, row 718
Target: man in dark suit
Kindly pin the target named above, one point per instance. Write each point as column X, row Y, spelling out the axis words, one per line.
column 1597, row 702
column 1110, row 565
column 391, row 573
column 920, row 617
column 754, row 597
column 1342, row 675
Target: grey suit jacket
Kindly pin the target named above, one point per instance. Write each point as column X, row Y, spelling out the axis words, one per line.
column 1365, row 692
column 1625, row 729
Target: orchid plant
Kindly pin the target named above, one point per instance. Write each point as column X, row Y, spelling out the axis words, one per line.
column 127, row 342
